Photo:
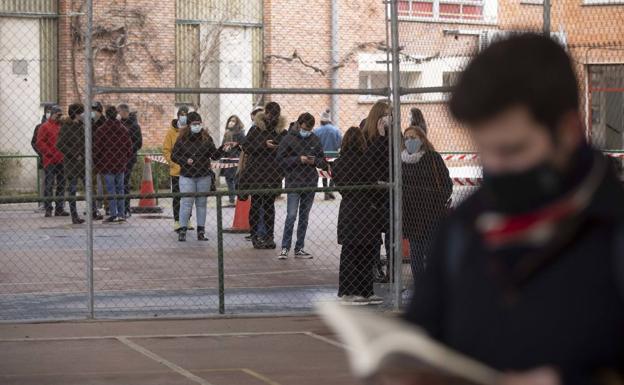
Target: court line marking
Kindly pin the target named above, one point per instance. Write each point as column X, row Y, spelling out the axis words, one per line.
column 154, row 336
column 260, row 377
column 327, row 340
column 149, row 354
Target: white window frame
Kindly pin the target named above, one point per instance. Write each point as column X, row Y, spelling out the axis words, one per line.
column 603, row 2
column 484, row 20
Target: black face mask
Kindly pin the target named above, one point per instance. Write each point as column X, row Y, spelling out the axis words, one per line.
column 519, row 192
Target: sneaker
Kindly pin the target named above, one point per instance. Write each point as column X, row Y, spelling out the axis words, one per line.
column 120, row 219
column 182, row 235
column 284, row 254
column 110, row 220
column 302, row 254
column 176, row 226
column 190, row 227
column 97, row 217
column 249, row 238
column 354, row 300
column 375, row 300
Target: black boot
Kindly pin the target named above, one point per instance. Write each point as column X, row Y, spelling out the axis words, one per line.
column 76, row 220
column 182, row 234
column 269, row 243
column 201, row 233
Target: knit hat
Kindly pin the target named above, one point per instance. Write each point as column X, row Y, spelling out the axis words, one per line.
column 326, row 116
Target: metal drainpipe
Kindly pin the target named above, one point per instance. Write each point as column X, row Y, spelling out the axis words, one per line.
column 89, row 158
column 334, row 61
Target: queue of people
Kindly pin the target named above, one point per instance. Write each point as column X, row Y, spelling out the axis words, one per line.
column 60, row 144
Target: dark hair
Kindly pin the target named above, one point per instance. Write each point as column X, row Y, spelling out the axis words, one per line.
column 193, row 117
column 273, row 109
column 111, row 112
column 183, row 110
column 97, row 106
column 74, row 110
column 418, row 119
column 307, row 119
column 525, row 70
column 353, row 140
column 123, row 106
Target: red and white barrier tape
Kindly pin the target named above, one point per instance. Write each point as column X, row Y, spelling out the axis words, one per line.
column 456, row 157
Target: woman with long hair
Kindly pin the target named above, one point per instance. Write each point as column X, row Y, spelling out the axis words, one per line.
column 234, row 133
column 193, row 151
column 357, row 222
column 376, row 130
column 427, row 188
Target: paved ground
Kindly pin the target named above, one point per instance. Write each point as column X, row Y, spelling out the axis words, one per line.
column 141, row 270
column 254, row 351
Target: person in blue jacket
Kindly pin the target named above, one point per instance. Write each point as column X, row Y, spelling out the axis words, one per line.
column 331, row 139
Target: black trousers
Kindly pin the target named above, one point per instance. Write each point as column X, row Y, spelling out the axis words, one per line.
column 262, row 209
column 127, row 186
column 175, row 188
column 356, row 269
column 55, row 174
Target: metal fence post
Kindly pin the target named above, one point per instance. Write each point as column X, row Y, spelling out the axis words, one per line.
column 220, row 254
column 546, row 27
column 397, row 207
column 89, row 157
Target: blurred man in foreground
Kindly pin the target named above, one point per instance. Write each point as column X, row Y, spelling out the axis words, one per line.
column 527, row 276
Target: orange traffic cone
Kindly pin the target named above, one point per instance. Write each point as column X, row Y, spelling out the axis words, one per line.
column 147, row 205
column 406, row 250
column 241, row 217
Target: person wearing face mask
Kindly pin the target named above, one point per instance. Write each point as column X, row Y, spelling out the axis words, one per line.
column 174, row 169
column 234, row 133
column 300, row 154
column 376, row 129
column 193, row 151
column 71, row 142
column 98, row 119
column 112, row 150
column 52, row 159
column 527, row 274
column 131, row 123
column 427, row 188
column 262, row 171
column 33, row 143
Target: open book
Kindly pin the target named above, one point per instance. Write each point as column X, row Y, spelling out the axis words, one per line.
column 382, row 345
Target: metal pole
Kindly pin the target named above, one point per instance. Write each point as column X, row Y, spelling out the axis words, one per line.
column 334, row 60
column 89, row 155
column 547, row 5
column 397, row 218
column 220, row 255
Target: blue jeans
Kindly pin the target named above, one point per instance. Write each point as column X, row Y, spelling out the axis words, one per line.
column 115, row 186
column 301, row 202
column 194, row 185
column 55, row 173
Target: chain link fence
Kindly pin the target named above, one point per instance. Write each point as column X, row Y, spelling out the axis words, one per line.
column 202, row 197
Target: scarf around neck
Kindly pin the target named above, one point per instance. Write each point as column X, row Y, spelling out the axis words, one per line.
column 406, row 157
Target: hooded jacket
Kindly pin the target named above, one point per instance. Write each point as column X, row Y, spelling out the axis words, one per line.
column 262, row 169
column 47, row 136
column 289, row 154
column 71, row 142
column 170, row 140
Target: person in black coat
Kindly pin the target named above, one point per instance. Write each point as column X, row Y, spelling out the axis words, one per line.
column 262, row 171
column 193, row 151
column 300, row 154
column 234, row 133
column 129, row 120
column 427, row 189
column 376, row 130
column 359, row 229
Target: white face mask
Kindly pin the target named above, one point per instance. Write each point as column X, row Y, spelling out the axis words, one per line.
column 93, row 115
column 196, row 128
column 47, row 115
column 182, row 121
column 231, row 124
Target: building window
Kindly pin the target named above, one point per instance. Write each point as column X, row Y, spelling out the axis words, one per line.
column 606, row 101
column 449, row 10
column 603, row 2
column 379, row 79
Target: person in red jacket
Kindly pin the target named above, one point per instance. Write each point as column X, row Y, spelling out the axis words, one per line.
column 112, row 150
column 52, row 160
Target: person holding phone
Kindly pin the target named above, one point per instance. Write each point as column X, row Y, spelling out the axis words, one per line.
column 193, row 151
column 262, row 171
column 299, row 155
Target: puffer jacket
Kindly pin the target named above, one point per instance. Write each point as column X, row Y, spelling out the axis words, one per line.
column 262, row 169
column 202, row 151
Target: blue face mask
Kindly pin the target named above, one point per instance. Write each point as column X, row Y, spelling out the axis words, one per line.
column 182, row 121
column 196, row 128
column 304, row 134
column 413, row 145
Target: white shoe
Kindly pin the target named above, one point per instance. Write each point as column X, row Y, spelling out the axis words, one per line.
column 354, row 300
column 302, row 254
column 283, row 255
column 375, row 300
